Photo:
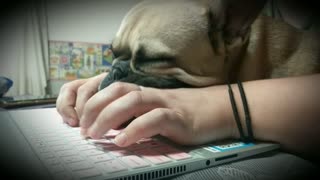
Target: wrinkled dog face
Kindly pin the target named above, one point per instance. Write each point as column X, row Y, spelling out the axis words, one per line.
column 165, row 44
column 170, row 44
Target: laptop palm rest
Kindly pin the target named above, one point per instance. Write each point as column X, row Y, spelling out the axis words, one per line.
column 17, row 158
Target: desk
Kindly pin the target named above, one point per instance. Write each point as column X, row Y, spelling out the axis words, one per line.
column 27, row 101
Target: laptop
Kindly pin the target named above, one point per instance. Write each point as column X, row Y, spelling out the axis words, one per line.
column 36, row 143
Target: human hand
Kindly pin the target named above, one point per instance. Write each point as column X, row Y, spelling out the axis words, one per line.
column 74, row 95
column 186, row 116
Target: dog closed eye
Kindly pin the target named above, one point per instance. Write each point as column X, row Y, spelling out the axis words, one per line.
column 143, row 60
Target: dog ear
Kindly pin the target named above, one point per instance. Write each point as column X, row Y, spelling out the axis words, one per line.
column 234, row 17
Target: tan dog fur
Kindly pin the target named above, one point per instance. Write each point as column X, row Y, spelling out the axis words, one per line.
column 208, row 42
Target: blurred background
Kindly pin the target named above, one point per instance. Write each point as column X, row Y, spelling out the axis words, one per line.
column 45, row 43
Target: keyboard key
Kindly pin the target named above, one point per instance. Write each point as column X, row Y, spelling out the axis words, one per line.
column 86, row 147
column 71, row 159
column 100, row 158
column 134, row 161
column 78, row 143
column 63, row 131
column 112, row 166
column 67, row 153
column 179, row 155
column 61, row 148
column 67, row 135
column 75, row 138
column 153, row 156
column 120, row 152
column 43, row 132
column 87, row 173
column 55, row 138
column 109, row 147
column 157, row 159
column 46, row 135
column 172, row 152
column 93, row 152
column 56, row 142
column 82, row 165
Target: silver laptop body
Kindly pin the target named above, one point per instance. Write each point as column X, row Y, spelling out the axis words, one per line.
column 45, row 147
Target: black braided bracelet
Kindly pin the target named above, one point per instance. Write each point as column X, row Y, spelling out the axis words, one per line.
column 235, row 112
column 246, row 112
column 243, row 137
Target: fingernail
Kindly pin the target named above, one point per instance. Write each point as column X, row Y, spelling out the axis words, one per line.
column 121, row 139
column 70, row 121
column 93, row 133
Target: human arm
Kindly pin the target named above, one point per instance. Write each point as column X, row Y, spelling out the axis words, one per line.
column 286, row 111
column 282, row 110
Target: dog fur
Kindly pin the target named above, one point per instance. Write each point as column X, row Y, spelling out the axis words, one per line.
column 197, row 43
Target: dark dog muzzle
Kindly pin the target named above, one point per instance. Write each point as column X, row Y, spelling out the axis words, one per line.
column 121, row 72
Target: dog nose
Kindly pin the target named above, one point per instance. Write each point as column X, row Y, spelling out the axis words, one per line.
column 118, row 71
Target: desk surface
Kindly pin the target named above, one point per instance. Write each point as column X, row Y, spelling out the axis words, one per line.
column 26, row 101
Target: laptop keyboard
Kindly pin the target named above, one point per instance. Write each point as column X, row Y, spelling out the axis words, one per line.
column 68, row 156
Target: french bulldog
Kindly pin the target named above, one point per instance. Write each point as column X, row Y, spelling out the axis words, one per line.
column 197, row 43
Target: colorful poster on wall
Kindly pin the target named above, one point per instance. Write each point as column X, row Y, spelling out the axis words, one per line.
column 75, row 60
column 107, row 55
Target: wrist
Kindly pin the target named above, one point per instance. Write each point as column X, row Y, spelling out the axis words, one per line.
column 242, row 127
column 223, row 113
column 228, row 116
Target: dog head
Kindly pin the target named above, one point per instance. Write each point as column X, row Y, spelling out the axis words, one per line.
column 179, row 43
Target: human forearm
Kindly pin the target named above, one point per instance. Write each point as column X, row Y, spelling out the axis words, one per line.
column 285, row 111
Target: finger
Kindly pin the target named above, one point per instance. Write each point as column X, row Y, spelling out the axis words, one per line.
column 66, row 102
column 86, row 91
column 150, row 124
column 121, row 110
column 102, row 99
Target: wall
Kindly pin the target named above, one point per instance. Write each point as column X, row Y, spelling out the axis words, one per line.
column 86, row 20
column 11, row 33
column 94, row 21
